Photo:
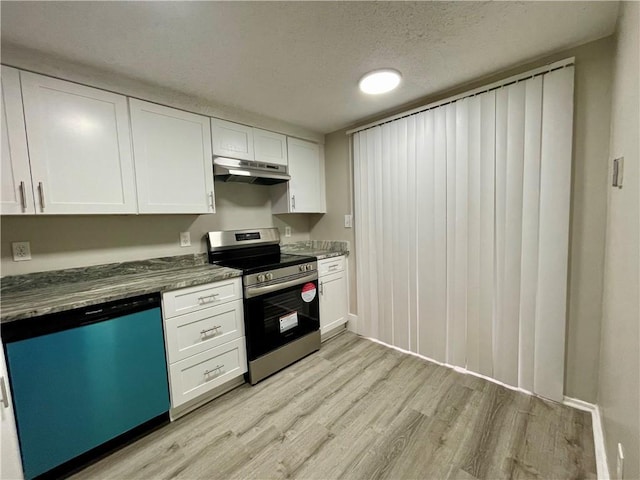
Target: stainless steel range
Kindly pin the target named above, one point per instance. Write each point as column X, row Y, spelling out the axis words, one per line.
column 281, row 307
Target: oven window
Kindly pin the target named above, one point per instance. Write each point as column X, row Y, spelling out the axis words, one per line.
column 277, row 318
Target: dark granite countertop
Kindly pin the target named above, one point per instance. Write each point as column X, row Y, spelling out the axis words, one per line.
column 320, row 249
column 31, row 295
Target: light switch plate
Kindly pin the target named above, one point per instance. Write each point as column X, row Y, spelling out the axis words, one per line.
column 287, row 231
column 21, row 251
column 348, row 221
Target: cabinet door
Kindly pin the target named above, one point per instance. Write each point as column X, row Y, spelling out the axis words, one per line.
column 192, row 299
column 305, row 168
column 10, row 465
column 333, row 301
column 270, row 147
column 79, row 147
column 16, row 195
column 196, row 332
column 231, row 139
column 193, row 376
column 172, row 156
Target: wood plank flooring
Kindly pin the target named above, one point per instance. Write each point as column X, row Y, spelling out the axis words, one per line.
column 359, row 410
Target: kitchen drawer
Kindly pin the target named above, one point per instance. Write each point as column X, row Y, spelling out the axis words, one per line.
column 330, row 265
column 205, row 371
column 198, row 331
column 192, row 299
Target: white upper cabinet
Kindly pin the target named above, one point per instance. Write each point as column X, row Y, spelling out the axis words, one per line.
column 304, row 193
column 270, row 147
column 16, row 195
column 172, row 156
column 231, row 139
column 79, row 147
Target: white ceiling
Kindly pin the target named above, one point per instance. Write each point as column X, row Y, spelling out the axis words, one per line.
column 301, row 61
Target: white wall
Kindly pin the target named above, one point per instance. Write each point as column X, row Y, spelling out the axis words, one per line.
column 35, row 61
column 619, row 385
column 588, row 203
column 68, row 241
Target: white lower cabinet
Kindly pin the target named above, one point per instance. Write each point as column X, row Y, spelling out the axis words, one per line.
column 200, row 373
column 10, row 464
column 204, row 338
column 332, row 279
column 199, row 331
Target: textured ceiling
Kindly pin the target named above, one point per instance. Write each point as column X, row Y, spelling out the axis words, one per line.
column 301, row 61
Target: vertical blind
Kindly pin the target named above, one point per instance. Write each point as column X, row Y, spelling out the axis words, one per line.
column 462, row 226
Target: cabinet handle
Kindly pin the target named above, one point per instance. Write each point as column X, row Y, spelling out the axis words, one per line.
column 23, row 196
column 207, row 299
column 41, row 191
column 321, row 288
column 5, row 397
column 213, row 201
column 208, row 372
column 293, row 202
column 213, row 329
column 333, row 267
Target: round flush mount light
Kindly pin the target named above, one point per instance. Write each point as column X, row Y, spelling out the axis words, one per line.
column 380, row 81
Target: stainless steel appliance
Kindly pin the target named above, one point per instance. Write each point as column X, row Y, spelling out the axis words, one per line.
column 86, row 381
column 281, row 307
column 246, row 171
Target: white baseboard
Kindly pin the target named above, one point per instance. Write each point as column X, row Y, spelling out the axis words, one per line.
column 598, row 434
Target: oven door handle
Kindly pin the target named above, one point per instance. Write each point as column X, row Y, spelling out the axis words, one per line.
column 251, row 292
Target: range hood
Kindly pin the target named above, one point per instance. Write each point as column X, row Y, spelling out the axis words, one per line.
column 244, row 171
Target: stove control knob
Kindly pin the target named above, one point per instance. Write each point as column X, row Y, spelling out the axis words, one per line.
column 309, row 267
column 269, row 276
column 260, row 278
column 302, row 268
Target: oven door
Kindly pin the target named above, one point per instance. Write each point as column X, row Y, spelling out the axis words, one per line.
column 281, row 315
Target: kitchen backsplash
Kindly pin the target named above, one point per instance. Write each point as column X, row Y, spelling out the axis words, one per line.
column 65, row 241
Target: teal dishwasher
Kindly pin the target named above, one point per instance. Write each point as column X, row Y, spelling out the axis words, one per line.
column 86, row 381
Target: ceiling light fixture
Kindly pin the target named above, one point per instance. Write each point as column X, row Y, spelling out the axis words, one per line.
column 380, row 81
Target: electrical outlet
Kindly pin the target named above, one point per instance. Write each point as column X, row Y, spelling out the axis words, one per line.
column 185, row 239
column 348, row 221
column 620, row 463
column 287, row 231
column 21, row 251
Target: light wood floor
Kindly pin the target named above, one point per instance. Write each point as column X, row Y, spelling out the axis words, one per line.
column 359, row 410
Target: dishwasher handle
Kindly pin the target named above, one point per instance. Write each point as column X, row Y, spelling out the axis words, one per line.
column 118, row 308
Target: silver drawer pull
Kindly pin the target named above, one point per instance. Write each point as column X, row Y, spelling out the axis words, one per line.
column 209, row 372
column 333, row 267
column 213, row 330
column 207, row 299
